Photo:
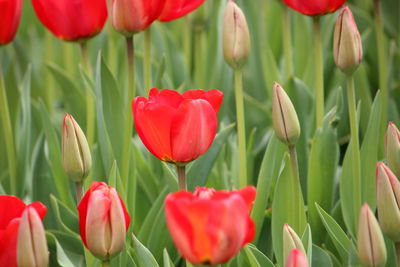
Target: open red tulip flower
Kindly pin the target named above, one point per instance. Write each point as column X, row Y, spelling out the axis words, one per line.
column 103, row 221
column 175, row 127
column 314, row 8
column 72, row 20
column 209, row 226
column 10, row 13
column 174, row 9
column 11, row 210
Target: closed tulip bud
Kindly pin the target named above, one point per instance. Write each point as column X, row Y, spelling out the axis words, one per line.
column 347, row 46
column 236, row 38
column 392, row 146
column 103, row 221
column 76, row 156
column 297, row 258
column 284, row 117
column 32, row 245
column 388, row 201
column 290, row 241
column 370, row 243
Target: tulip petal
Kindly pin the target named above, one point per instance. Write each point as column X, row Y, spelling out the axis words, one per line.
column 214, row 97
column 119, row 225
column 8, row 244
column 314, row 8
column 10, row 11
column 192, row 130
column 11, row 207
column 174, row 9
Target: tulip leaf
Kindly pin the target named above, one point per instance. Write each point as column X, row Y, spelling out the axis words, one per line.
column 320, row 257
column 307, row 241
column 65, row 250
column 285, row 206
column 323, row 161
column 198, row 172
column 142, row 255
column 251, row 258
column 66, row 218
column 262, row 260
column 369, row 154
column 269, row 171
column 167, row 260
column 339, row 238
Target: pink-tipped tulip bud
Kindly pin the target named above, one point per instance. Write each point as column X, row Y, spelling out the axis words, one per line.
column 103, row 221
column 388, row 201
column 297, row 258
column 392, row 146
column 284, row 117
column 32, row 245
column 76, row 156
column 290, row 241
column 236, row 37
column 370, row 243
column 347, row 46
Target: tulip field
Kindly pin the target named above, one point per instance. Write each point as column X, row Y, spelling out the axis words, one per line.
column 193, row 133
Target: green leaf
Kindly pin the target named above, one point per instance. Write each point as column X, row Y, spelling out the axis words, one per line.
column 307, row 241
column 63, row 256
column 321, row 257
column 269, row 170
column 66, row 218
column 261, row 259
column 167, row 260
column 142, row 255
column 284, row 208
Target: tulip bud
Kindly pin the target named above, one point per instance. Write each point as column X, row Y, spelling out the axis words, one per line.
column 236, row 38
column 392, row 145
column 32, row 245
column 291, row 241
column 297, row 258
column 388, row 201
column 103, row 221
column 284, row 117
column 347, row 46
column 76, row 156
column 370, row 243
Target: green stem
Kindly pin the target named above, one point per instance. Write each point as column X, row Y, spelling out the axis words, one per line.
column 294, row 165
column 188, row 45
column 287, row 42
column 147, row 60
column 49, row 93
column 90, row 103
column 398, row 253
column 199, row 57
column 241, row 128
column 126, row 150
column 319, row 74
column 351, row 99
column 8, row 135
column 80, row 191
column 382, row 65
column 182, row 177
column 105, row 263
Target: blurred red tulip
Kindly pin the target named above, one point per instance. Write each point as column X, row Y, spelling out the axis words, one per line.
column 208, row 226
column 10, row 13
column 103, row 221
column 72, row 20
column 314, row 8
column 177, row 128
column 11, row 210
column 132, row 16
column 174, row 9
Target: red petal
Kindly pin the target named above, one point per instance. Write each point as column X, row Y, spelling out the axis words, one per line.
column 214, row 97
column 40, row 209
column 192, row 130
column 126, row 214
column 8, row 244
column 11, row 207
column 249, row 195
column 10, row 17
column 175, row 9
column 315, row 8
column 166, row 97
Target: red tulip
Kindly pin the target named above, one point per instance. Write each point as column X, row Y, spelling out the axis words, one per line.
column 174, row 9
column 177, row 128
column 314, row 8
column 72, row 20
column 10, row 13
column 132, row 16
column 208, row 226
column 297, row 259
column 11, row 210
column 103, row 221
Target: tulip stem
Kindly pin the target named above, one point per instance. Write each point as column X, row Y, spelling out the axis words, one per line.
column 105, row 263
column 126, row 150
column 147, row 60
column 90, row 103
column 319, row 74
column 294, row 165
column 8, row 135
column 80, row 191
column 351, row 101
column 182, row 177
column 382, row 64
column 287, row 42
column 241, row 128
column 199, row 57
